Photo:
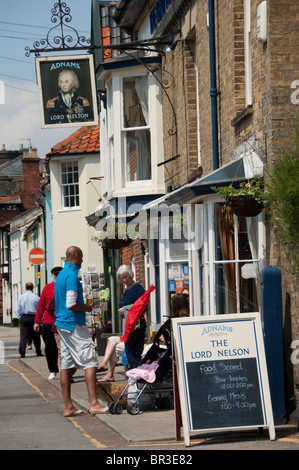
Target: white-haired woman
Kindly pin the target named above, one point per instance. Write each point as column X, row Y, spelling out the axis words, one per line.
column 134, row 345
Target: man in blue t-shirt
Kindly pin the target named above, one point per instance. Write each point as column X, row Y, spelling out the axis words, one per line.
column 77, row 348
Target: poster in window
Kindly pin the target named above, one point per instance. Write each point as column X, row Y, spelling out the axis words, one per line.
column 67, row 91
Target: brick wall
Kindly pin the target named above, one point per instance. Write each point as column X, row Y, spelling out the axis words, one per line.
column 279, row 118
column 271, row 119
column 31, row 182
column 134, row 251
column 180, row 137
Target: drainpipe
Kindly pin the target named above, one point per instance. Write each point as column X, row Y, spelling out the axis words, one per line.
column 213, row 91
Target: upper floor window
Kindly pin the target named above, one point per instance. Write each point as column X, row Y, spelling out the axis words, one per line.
column 131, row 130
column 5, row 251
column 136, row 131
column 70, row 184
column 110, row 134
column 158, row 12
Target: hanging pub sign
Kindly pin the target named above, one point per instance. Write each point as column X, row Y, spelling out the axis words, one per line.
column 222, row 373
column 67, row 91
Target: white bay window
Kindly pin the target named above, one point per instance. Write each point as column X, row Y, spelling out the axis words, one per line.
column 133, row 129
column 136, row 130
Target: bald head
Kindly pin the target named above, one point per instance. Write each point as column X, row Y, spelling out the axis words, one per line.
column 74, row 255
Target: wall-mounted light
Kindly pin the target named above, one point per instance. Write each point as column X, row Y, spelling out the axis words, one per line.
column 173, row 45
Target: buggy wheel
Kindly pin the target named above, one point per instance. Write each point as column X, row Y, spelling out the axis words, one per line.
column 163, row 403
column 133, row 408
column 118, row 409
column 111, row 408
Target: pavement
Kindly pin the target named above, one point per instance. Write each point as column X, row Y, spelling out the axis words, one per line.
column 149, row 425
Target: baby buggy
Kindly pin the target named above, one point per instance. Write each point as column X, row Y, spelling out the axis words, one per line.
column 153, row 377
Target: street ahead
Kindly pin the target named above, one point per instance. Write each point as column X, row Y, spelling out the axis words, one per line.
column 31, row 418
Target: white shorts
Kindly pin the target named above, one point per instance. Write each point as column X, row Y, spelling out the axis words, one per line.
column 119, row 348
column 77, row 348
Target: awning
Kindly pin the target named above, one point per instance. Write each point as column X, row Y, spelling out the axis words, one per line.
column 243, row 168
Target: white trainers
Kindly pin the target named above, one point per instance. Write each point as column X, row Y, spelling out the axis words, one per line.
column 52, row 376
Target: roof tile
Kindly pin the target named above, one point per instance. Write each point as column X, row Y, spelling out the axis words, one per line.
column 85, row 139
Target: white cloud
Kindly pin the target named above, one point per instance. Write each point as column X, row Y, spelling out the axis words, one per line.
column 20, row 120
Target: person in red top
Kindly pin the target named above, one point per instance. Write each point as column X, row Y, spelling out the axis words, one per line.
column 44, row 320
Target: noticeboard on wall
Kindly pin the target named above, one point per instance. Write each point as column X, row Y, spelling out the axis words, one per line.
column 67, row 92
column 222, row 374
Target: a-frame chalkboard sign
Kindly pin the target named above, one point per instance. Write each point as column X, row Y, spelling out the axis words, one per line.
column 222, row 374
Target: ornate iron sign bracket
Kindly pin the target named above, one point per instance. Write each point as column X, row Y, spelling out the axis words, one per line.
column 64, row 38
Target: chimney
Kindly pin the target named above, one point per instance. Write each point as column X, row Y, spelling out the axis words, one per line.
column 31, row 178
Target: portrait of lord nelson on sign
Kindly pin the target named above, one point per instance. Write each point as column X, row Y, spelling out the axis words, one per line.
column 67, row 91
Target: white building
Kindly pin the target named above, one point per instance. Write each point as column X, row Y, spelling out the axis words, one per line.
column 74, row 166
column 25, row 234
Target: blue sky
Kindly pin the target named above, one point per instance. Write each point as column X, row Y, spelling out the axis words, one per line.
column 22, row 23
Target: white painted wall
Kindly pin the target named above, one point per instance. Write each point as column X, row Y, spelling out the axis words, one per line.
column 69, row 226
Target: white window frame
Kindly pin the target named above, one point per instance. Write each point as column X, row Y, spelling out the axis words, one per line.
column 110, row 132
column 210, row 263
column 156, row 184
column 164, row 261
column 124, row 130
column 63, row 185
column 5, row 247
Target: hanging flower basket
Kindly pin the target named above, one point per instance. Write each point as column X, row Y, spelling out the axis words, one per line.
column 115, row 243
column 247, row 199
column 246, row 206
column 117, row 235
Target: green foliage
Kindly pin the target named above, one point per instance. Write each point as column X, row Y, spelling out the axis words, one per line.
column 282, row 184
column 118, row 230
column 253, row 188
column 114, row 230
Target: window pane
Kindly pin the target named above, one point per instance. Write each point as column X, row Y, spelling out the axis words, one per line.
column 236, row 282
column 75, row 172
column 135, row 101
column 70, row 186
column 138, row 155
column 226, row 300
column 178, row 247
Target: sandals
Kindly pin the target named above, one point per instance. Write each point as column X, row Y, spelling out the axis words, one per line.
column 105, row 379
column 101, row 369
column 76, row 413
column 103, row 411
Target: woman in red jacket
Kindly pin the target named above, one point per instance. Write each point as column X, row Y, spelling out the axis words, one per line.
column 44, row 320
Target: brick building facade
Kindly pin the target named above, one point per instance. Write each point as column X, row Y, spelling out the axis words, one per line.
column 227, row 80
column 253, row 106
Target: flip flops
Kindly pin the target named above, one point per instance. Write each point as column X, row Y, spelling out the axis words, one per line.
column 76, row 413
column 101, row 369
column 103, row 411
column 105, row 379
